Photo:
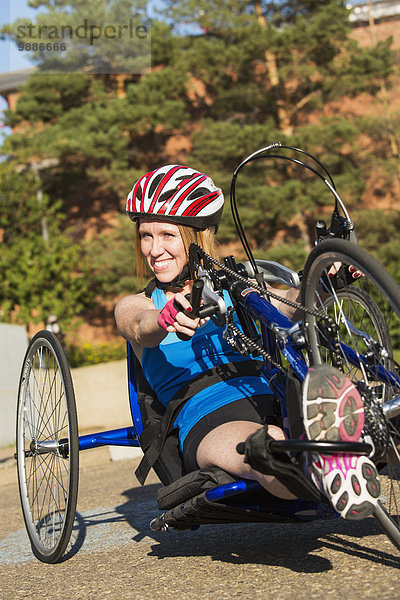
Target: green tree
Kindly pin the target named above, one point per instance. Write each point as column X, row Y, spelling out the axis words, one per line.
column 270, row 68
column 378, row 230
column 95, row 135
column 40, row 267
column 70, row 36
column 113, row 255
column 238, row 77
column 229, row 77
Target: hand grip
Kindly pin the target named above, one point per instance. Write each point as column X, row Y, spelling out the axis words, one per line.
column 206, row 310
column 195, row 299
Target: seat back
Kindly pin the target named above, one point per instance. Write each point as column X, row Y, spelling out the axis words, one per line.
column 147, row 411
column 133, row 391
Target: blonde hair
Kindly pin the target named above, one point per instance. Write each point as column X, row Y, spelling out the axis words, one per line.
column 204, row 238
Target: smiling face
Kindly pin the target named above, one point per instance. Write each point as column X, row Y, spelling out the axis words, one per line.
column 162, row 246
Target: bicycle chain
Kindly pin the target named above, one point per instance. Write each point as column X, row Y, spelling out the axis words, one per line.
column 256, row 347
column 265, row 293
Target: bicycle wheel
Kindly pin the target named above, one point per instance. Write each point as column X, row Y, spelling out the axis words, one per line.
column 357, row 328
column 47, row 447
column 360, row 309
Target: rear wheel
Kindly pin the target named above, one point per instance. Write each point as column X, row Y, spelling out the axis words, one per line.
column 47, row 447
column 358, row 330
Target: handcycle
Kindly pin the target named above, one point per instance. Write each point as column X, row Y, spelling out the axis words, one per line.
column 350, row 322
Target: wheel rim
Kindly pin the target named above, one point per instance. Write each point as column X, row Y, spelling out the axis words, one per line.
column 348, row 333
column 387, row 393
column 43, row 439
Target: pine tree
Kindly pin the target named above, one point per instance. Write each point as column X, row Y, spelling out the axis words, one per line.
column 229, row 77
column 71, row 36
column 270, row 68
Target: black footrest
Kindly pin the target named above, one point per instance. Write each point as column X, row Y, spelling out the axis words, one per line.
column 325, row 447
column 360, row 448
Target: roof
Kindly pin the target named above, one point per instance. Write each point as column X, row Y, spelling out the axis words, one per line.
column 10, row 82
column 380, row 10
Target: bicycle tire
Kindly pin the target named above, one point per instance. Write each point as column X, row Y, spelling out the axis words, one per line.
column 47, row 447
column 369, row 360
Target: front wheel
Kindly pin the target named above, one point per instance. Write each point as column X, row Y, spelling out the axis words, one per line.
column 354, row 324
column 47, row 447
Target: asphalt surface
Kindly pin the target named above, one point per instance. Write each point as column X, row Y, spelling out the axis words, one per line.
column 115, row 554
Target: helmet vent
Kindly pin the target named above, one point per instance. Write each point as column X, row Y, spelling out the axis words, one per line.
column 198, row 193
column 166, row 196
column 139, row 194
column 154, row 184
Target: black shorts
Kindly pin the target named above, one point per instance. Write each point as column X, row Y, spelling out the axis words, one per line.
column 257, row 409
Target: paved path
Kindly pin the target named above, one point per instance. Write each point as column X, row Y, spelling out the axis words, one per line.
column 116, row 555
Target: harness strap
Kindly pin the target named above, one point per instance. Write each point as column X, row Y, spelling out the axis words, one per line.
column 150, row 287
column 153, row 437
column 177, row 283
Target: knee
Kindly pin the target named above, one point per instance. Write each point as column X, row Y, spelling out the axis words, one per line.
column 276, row 432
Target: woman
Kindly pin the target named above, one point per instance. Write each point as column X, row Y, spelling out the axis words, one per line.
column 173, row 206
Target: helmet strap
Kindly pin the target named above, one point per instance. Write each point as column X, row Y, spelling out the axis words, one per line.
column 178, row 282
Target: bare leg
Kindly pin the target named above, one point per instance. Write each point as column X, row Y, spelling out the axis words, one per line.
column 218, row 449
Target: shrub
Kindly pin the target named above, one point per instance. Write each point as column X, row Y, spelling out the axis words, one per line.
column 88, row 354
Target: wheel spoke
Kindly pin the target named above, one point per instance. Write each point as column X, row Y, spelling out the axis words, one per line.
column 47, row 408
column 47, row 474
column 48, row 480
column 367, row 316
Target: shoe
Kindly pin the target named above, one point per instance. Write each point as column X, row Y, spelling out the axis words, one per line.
column 349, row 481
column 333, row 411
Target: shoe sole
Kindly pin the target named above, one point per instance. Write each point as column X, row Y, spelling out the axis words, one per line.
column 348, row 479
column 332, row 407
column 333, row 410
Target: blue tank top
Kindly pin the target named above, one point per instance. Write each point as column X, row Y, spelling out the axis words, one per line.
column 173, row 363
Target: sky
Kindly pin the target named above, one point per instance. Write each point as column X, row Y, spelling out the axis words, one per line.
column 10, row 58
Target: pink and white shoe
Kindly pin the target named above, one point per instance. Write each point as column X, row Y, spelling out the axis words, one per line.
column 333, row 411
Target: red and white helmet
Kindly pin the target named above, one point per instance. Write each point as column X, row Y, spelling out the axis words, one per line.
column 176, row 194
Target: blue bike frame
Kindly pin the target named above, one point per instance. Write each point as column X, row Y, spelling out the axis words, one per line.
column 271, row 319
column 261, row 309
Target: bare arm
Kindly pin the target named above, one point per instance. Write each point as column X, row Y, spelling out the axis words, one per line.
column 137, row 320
column 292, row 294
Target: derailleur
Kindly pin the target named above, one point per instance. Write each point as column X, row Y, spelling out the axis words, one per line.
column 231, row 334
column 375, row 426
column 329, row 338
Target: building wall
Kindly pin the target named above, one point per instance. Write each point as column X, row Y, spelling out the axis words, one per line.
column 369, row 35
column 13, row 345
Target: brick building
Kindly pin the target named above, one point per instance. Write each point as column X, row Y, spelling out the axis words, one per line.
column 9, row 84
column 374, row 22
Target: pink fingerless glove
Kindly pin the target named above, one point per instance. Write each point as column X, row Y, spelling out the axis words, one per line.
column 168, row 314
